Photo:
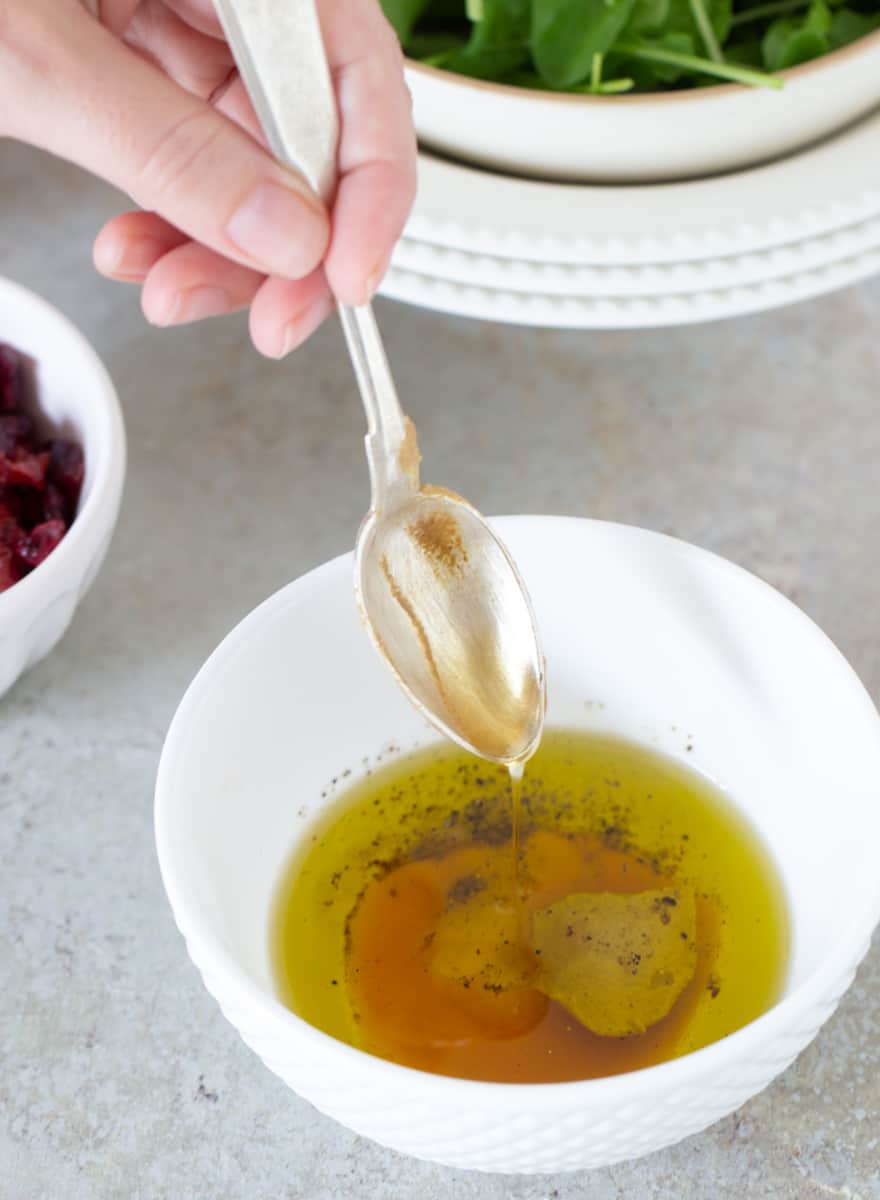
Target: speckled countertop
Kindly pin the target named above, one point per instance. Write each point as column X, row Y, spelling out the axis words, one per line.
column 758, row 438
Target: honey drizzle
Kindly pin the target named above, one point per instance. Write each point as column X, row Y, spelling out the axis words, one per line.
column 516, row 771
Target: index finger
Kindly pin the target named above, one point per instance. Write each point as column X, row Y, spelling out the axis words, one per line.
column 117, row 14
column 377, row 147
column 200, row 14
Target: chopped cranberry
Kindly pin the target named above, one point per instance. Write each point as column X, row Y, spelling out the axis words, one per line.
column 28, row 503
column 39, row 483
column 16, row 429
column 11, row 532
column 56, row 506
column 24, row 469
column 10, row 526
column 66, row 466
column 37, row 545
column 10, row 379
column 9, row 571
column 10, row 504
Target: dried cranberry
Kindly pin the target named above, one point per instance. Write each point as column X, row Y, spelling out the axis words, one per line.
column 37, row 545
column 11, row 532
column 28, row 504
column 10, row 379
column 66, row 466
column 10, row 529
column 39, row 483
column 56, row 506
column 16, row 429
column 10, row 503
column 9, row 570
column 23, row 469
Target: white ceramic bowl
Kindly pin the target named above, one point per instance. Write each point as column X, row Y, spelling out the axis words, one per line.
column 76, row 397
column 642, row 138
column 679, row 648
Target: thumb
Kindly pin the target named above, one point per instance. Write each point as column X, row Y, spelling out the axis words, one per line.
column 89, row 98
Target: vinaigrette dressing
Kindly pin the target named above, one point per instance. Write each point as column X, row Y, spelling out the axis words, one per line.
column 629, row 916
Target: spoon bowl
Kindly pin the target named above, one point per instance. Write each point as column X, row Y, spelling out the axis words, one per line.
column 447, row 609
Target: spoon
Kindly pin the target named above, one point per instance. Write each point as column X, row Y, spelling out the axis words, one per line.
column 438, row 592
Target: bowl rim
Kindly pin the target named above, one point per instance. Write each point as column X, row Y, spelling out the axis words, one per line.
column 108, row 467
column 778, row 1025
column 863, row 45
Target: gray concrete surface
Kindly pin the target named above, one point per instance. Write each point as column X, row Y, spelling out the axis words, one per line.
column 119, row 1079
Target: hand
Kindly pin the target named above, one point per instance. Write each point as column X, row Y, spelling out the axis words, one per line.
column 145, row 94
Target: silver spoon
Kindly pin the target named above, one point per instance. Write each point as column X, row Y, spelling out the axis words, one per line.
column 439, row 594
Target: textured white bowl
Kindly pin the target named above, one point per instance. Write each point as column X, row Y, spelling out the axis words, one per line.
column 76, row 396
column 642, row 138
column 645, row 636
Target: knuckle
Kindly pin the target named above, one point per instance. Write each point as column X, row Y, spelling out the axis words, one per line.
column 178, row 154
column 25, row 56
column 29, row 32
column 11, row 26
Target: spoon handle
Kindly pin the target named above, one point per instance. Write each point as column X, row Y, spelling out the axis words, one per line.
column 279, row 51
column 391, row 469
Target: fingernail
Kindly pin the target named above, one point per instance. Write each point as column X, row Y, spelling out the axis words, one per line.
column 139, row 255
column 107, row 256
column 290, row 335
column 303, row 325
column 280, row 229
column 129, row 258
column 193, row 304
column 375, row 277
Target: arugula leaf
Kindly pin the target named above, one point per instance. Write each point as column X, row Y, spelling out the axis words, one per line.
column 654, row 51
column 616, row 87
column 707, row 33
column 600, row 86
column 403, row 15
column 499, row 42
column 648, row 16
column 787, row 43
column 848, row 26
column 567, row 33
column 678, row 43
column 444, row 14
column 818, row 18
column 720, row 15
column 605, row 46
column 434, row 44
column 681, row 18
column 793, row 40
column 649, row 74
column 746, row 53
column 760, row 12
column 524, row 79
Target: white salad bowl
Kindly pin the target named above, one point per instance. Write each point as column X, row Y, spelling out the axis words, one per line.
column 645, row 637
column 75, row 397
column 644, row 138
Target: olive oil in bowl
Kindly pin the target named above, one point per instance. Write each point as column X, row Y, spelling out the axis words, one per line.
column 641, row 918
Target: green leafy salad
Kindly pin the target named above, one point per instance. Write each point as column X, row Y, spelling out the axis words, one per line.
column 603, row 47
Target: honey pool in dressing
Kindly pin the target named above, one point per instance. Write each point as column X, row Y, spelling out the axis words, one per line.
column 643, row 919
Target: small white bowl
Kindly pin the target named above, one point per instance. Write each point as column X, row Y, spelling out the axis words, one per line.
column 76, row 397
column 642, row 138
column 646, row 637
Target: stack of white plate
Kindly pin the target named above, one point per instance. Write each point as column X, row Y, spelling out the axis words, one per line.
column 486, row 245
